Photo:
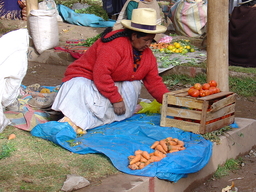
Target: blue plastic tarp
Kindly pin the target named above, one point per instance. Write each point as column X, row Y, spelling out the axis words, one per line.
column 83, row 19
column 119, row 140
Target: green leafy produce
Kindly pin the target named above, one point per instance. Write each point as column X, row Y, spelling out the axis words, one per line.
column 94, row 9
column 89, row 41
column 166, row 62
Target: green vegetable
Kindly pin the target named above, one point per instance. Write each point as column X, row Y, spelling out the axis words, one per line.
column 94, row 9
column 90, row 41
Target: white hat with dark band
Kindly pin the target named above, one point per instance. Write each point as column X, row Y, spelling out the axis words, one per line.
column 144, row 20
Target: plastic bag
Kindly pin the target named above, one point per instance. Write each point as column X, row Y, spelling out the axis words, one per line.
column 153, row 107
column 50, row 5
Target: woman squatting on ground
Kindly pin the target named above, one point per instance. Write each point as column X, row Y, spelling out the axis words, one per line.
column 104, row 84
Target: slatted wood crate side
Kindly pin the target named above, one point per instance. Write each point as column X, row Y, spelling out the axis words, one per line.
column 220, row 109
column 226, row 110
column 189, row 102
column 188, row 113
column 230, row 99
column 184, row 125
column 218, row 124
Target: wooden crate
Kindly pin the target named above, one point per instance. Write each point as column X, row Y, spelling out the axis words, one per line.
column 198, row 115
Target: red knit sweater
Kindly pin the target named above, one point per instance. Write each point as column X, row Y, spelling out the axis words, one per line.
column 106, row 63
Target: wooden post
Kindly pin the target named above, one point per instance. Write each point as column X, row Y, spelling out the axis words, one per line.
column 217, row 43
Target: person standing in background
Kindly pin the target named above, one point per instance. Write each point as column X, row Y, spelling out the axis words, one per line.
column 10, row 9
column 242, row 36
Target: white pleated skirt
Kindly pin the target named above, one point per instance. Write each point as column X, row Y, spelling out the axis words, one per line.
column 82, row 103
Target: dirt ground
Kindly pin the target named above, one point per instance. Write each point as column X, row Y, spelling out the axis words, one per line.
column 51, row 75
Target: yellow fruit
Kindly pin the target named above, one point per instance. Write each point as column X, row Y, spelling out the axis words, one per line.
column 188, row 47
column 192, row 50
column 177, row 45
column 170, row 47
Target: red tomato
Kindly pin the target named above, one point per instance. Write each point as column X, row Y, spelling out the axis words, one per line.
column 213, row 83
column 202, row 93
column 194, row 93
column 207, row 92
column 198, row 86
column 206, row 86
column 217, row 89
column 213, row 90
column 191, row 90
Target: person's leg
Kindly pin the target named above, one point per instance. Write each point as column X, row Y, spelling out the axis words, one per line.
column 80, row 101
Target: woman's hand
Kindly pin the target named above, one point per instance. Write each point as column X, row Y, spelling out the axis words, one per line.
column 119, row 108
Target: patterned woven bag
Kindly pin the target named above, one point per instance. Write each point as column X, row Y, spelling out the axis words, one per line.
column 189, row 17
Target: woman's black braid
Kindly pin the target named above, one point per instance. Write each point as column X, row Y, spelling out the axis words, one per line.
column 126, row 33
column 116, row 35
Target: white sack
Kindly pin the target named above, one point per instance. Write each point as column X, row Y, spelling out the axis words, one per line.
column 44, row 29
column 50, row 5
column 13, row 68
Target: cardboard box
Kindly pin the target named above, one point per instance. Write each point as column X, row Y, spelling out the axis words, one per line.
column 198, row 115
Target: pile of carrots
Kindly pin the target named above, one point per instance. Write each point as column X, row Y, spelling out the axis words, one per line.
column 141, row 159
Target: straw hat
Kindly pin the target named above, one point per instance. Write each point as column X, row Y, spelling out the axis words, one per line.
column 245, row 1
column 144, row 20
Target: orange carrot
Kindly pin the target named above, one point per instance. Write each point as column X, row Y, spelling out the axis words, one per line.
column 163, row 144
column 147, row 163
column 131, row 157
column 169, row 138
column 159, row 154
column 173, row 151
column 160, row 148
column 142, row 165
column 182, row 148
column 172, row 142
column 151, row 160
column 180, row 143
column 143, row 160
column 133, row 167
column 145, row 155
column 135, row 159
column 156, row 158
column 151, row 154
column 154, row 145
column 175, row 147
column 138, row 152
column 11, row 136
